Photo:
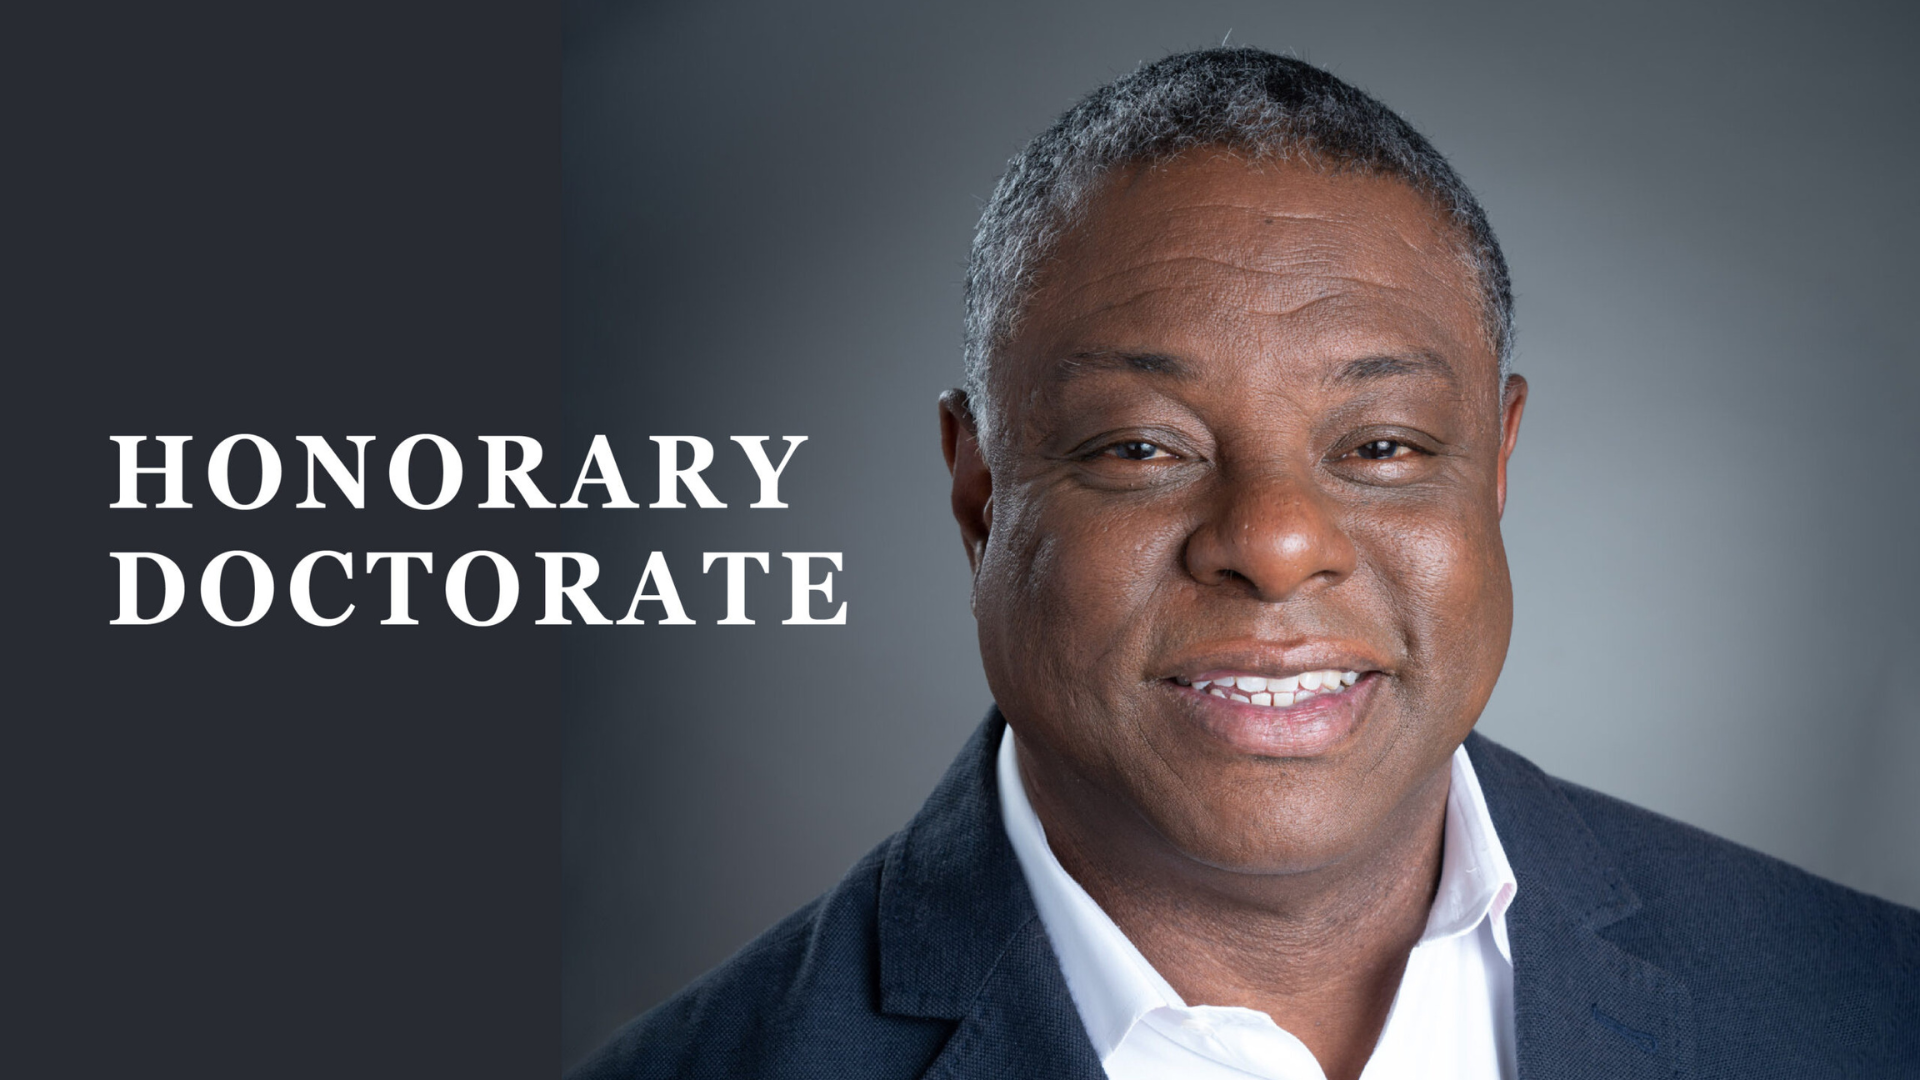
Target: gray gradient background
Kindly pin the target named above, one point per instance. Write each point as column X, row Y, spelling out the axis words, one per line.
column 1713, row 508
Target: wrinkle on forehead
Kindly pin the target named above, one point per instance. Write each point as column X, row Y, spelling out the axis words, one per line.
column 1267, row 276
column 1255, row 301
column 1254, row 273
column 1303, row 311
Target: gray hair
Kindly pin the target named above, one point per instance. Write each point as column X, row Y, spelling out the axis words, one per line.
column 1241, row 99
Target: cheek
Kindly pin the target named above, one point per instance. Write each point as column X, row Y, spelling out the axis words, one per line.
column 1447, row 577
column 1075, row 577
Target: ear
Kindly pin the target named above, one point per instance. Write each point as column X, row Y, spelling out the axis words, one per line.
column 1513, row 402
column 972, row 483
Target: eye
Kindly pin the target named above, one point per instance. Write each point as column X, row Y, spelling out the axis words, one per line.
column 1383, row 449
column 1136, row 450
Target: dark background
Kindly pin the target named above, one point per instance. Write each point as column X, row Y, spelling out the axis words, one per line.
column 1709, row 214
column 276, row 851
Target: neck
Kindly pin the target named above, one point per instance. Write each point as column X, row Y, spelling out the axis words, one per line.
column 1321, row 951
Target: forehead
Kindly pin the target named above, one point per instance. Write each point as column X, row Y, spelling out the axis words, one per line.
column 1252, row 268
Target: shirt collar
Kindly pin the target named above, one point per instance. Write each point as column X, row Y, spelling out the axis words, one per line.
column 1114, row 986
column 1476, row 881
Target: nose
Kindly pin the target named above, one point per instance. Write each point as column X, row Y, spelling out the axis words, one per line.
column 1279, row 535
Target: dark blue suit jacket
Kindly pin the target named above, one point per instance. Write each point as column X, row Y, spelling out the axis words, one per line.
column 1641, row 947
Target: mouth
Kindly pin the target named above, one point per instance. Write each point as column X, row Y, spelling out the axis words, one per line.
column 1294, row 714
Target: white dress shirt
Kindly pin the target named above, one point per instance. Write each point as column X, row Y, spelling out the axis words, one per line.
column 1452, row 1016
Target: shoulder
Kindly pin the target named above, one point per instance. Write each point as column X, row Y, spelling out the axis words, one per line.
column 1779, row 964
column 1699, row 885
column 801, row 1000
column 1744, row 918
column 1676, row 867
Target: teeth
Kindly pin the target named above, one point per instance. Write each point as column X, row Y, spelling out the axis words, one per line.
column 1273, row 692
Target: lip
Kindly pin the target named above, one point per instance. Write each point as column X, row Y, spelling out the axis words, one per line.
column 1312, row 728
column 1274, row 659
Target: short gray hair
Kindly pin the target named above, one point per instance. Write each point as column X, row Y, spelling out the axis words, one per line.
column 1240, row 99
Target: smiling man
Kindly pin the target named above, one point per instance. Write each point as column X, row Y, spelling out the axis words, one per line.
column 1229, row 468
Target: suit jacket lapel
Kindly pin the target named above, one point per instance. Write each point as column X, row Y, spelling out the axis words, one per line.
column 1023, row 1022
column 1583, row 1007
column 961, row 940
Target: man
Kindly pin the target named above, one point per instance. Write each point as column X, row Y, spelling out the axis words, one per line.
column 1229, row 468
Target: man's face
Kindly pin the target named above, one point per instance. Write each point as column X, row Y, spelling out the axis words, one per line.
column 1250, row 428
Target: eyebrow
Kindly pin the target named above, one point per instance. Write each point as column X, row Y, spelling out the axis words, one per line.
column 1381, row 367
column 1147, row 363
